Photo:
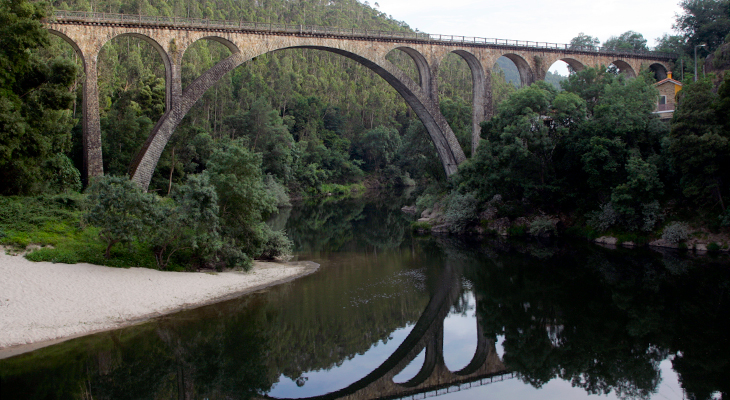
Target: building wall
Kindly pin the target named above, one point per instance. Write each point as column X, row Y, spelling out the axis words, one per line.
column 669, row 90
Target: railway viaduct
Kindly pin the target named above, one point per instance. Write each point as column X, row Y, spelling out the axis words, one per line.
column 88, row 32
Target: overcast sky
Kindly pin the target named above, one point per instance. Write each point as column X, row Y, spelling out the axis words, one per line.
column 555, row 21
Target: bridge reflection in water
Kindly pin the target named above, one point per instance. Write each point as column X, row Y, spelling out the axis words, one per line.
column 434, row 378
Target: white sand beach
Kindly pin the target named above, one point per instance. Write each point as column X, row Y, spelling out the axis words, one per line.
column 43, row 301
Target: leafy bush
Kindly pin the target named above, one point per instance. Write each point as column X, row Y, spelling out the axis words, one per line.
column 604, row 219
column 425, row 201
column 652, row 215
column 542, row 226
column 462, row 210
column 277, row 190
column 66, row 177
column 121, row 209
column 188, row 220
column 675, row 233
column 713, row 247
column 278, row 245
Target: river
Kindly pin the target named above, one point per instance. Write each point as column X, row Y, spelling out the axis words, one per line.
column 463, row 318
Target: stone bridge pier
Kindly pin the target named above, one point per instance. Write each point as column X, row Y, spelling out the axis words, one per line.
column 171, row 37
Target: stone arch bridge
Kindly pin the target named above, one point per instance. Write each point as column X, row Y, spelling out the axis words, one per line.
column 171, row 37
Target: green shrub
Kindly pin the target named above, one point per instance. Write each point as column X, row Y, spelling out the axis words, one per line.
column 675, row 233
column 121, row 209
column 713, row 247
column 461, row 212
column 277, row 190
column 542, row 226
column 604, row 219
column 278, row 245
column 65, row 256
column 424, row 202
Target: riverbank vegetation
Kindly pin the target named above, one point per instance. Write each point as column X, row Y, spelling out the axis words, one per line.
column 594, row 155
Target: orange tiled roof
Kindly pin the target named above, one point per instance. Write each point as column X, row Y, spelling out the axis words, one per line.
column 678, row 83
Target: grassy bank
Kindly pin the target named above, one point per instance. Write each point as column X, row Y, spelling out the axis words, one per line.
column 55, row 224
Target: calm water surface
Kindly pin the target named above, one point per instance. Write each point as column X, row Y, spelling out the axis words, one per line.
column 543, row 320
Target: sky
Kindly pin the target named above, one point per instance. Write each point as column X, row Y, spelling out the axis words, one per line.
column 556, row 21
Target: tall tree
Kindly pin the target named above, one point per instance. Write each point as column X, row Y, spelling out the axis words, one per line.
column 628, row 40
column 704, row 22
column 583, row 41
column 35, row 121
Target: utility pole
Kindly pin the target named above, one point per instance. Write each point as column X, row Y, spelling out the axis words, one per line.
column 699, row 45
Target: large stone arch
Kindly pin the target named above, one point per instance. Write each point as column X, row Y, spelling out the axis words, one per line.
column 426, row 109
column 573, row 63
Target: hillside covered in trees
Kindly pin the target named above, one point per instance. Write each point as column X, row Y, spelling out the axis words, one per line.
column 317, row 117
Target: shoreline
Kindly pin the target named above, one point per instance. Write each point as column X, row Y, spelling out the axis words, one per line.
column 43, row 303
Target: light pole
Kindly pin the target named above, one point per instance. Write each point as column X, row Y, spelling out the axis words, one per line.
column 699, row 45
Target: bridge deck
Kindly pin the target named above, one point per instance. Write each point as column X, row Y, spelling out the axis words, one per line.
column 61, row 16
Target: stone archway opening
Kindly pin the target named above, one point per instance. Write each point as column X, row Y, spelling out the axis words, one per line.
column 505, row 80
column 62, row 47
column 130, row 104
column 621, row 67
column 406, row 63
column 202, row 55
column 412, row 369
column 456, row 97
column 460, row 329
column 198, row 58
column 561, row 69
column 660, row 71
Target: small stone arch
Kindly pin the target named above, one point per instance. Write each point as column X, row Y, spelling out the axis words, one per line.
column 165, row 60
column 225, row 42
column 71, row 42
column 527, row 76
column 659, row 70
column 574, row 64
column 424, row 71
column 479, row 93
column 625, row 68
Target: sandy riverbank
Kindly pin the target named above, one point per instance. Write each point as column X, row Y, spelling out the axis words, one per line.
column 41, row 302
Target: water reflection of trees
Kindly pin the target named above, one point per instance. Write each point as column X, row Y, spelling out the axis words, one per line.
column 603, row 319
column 328, row 224
column 238, row 348
column 185, row 359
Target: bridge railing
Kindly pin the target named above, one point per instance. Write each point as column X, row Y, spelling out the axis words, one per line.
column 85, row 16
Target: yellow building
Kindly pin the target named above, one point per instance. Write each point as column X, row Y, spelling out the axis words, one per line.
column 668, row 89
